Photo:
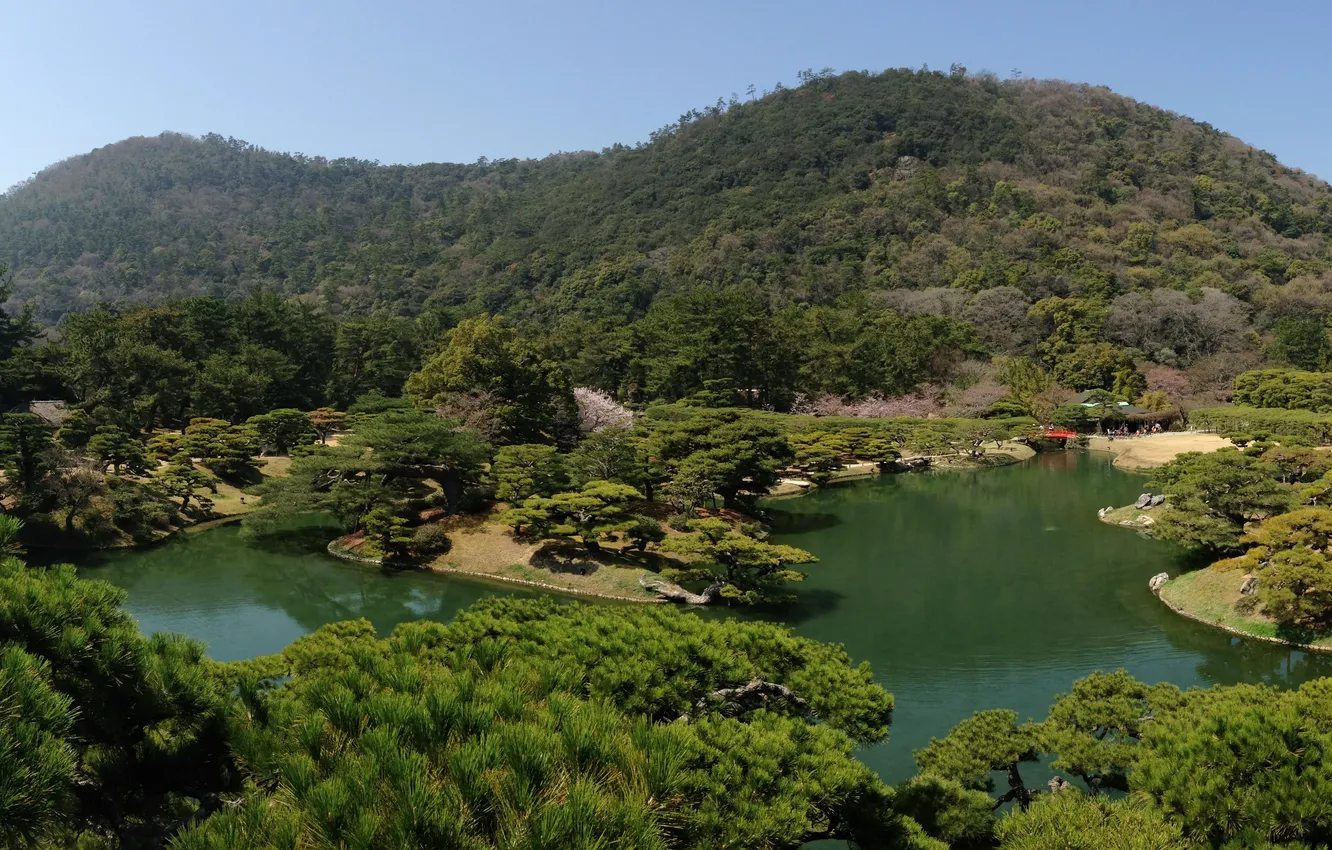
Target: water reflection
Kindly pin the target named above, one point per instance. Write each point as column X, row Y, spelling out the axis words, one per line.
column 963, row 590
column 999, row 589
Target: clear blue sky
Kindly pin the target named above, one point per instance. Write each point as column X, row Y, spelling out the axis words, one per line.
column 417, row 81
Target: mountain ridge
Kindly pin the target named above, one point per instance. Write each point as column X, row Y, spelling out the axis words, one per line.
column 887, row 172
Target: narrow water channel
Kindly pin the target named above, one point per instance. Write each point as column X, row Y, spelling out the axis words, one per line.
column 964, row 591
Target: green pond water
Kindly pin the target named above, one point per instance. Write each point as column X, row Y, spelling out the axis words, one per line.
column 992, row 589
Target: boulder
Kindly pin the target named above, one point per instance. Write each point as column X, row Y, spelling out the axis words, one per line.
column 1143, row 501
column 1102, row 512
column 1158, row 581
column 1158, row 499
column 1249, row 586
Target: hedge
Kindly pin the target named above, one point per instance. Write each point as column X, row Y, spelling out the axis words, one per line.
column 1288, row 389
column 1315, row 427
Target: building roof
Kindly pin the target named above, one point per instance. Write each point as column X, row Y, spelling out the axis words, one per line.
column 52, row 412
column 1084, row 398
column 1123, row 408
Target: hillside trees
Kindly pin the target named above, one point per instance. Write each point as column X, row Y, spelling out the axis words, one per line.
column 855, row 350
column 1302, row 342
column 875, row 216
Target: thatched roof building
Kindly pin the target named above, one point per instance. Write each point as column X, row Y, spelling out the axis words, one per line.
column 53, row 412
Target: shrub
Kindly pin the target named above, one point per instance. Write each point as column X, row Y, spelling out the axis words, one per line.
column 680, row 521
column 430, row 539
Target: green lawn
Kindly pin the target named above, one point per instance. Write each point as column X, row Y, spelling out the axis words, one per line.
column 1213, row 596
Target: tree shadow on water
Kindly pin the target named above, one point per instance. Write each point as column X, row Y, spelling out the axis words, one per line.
column 1191, row 560
column 296, row 539
column 807, row 604
column 797, row 522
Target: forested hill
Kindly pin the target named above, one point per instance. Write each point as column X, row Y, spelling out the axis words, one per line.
column 894, row 181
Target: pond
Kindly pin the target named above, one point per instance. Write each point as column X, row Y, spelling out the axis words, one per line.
column 992, row 589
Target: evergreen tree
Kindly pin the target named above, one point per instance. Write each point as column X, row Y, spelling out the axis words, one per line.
column 599, row 509
column 749, row 570
column 116, row 449
column 25, row 451
column 326, row 421
column 1210, row 498
column 228, row 450
column 526, row 470
column 124, row 730
column 530, row 397
column 281, row 429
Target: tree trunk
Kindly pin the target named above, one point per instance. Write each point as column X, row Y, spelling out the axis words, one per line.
column 674, row 593
column 748, row 697
column 1017, row 790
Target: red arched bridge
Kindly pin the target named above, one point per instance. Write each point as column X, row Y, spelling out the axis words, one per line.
column 1051, row 433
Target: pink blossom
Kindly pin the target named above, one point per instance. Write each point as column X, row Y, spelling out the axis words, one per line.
column 597, row 410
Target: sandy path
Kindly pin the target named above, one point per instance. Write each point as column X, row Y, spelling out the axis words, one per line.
column 1156, row 449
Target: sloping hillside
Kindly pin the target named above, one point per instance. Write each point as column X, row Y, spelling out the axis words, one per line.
column 894, row 181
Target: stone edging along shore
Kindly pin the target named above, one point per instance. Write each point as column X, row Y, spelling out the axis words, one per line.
column 1234, row 631
column 341, row 553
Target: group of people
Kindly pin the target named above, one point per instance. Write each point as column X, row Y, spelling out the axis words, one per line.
column 1123, row 431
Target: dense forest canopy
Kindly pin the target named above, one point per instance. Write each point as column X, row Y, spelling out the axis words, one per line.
column 860, row 182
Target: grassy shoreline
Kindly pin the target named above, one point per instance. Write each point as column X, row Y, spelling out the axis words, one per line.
column 486, row 551
column 1212, row 597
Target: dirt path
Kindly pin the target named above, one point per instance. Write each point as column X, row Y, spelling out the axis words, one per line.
column 1136, row 453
